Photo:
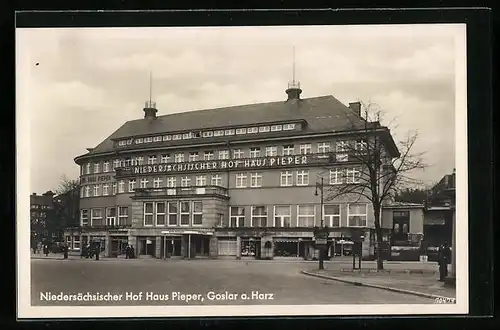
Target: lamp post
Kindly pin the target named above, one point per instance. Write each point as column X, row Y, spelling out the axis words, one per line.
column 320, row 186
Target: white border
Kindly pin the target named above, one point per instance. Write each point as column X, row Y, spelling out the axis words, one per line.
column 25, row 94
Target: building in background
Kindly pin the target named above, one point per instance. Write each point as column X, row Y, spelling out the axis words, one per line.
column 230, row 182
column 67, row 213
column 42, row 218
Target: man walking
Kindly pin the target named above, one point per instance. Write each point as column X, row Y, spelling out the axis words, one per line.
column 444, row 260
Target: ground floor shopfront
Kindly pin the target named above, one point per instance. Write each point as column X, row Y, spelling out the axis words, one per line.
column 237, row 243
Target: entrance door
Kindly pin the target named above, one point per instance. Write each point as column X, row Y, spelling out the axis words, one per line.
column 174, row 246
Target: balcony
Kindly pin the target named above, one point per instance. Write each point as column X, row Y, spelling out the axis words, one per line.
column 214, row 191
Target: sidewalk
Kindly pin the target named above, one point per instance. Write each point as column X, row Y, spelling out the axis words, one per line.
column 396, row 279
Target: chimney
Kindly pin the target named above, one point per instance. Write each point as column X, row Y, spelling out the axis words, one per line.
column 150, row 110
column 356, row 107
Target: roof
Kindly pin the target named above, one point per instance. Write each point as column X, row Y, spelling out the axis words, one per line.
column 323, row 114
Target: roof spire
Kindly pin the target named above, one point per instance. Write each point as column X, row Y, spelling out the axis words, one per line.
column 150, row 106
column 293, row 90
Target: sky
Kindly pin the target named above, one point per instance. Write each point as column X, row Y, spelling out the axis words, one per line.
column 77, row 86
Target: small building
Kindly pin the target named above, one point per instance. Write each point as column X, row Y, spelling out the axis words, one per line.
column 41, row 217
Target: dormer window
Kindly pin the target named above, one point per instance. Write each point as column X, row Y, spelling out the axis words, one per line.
column 219, row 133
column 177, row 137
column 130, row 141
column 240, row 131
column 229, row 132
column 139, row 141
column 208, row 134
column 148, row 140
column 167, row 137
column 197, row 134
column 276, row 128
column 187, row 136
column 122, row 143
column 157, row 139
column 252, row 130
column 289, row 127
column 264, row 129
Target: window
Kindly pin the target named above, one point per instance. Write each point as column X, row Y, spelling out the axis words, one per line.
column 276, row 128
column 187, row 136
column 254, row 152
column 105, row 189
column 179, row 158
column 255, row 180
column 114, row 188
column 165, row 158
column 400, row 225
column 216, row 180
column 160, row 213
column 127, row 162
column 185, row 181
column 139, row 141
column 144, row 183
column 116, row 164
column 151, row 160
column 96, row 217
column 76, row 242
column 193, row 156
column 121, row 186
column 177, row 137
column 197, row 213
column 237, row 153
column 305, row 148
column 361, row 145
column 282, row 216
column 223, row 154
column 353, row 175
column 172, row 213
column 240, row 131
column 157, row 182
column 87, row 169
column 84, row 217
column 219, row 133
column 148, row 214
column 185, row 212
column 356, row 215
column 201, row 180
column 208, row 155
column 264, row 129
column 259, row 216
column 252, row 130
column 140, row 160
column 122, row 215
column 342, row 146
column 288, row 150
column 87, row 191
column 323, row 147
column 331, row 213
column 271, row 151
column 97, row 190
column 288, row 127
column 167, row 137
column 286, row 179
column 229, row 132
column 81, row 193
column 97, row 168
column 302, row 178
column 208, row 134
column 131, row 185
column 171, row 182
column 122, row 143
column 148, row 140
column 241, row 180
column 336, row 176
column 105, row 166
column 157, row 139
column 305, row 215
column 110, row 216
column 237, row 216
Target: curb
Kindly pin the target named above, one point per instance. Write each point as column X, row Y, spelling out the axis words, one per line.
column 393, row 271
column 387, row 288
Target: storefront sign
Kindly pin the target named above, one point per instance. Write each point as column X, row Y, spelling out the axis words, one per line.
column 217, row 165
column 95, row 179
column 320, row 241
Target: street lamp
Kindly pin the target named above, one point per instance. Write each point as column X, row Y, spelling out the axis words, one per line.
column 321, row 235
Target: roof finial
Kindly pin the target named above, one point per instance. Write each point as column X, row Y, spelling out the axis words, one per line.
column 150, row 108
column 293, row 77
column 293, row 90
column 150, row 85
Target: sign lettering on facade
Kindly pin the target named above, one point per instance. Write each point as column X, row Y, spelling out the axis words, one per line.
column 95, row 179
column 222, row 165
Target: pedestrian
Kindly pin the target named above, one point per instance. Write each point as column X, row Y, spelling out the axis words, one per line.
column 127, row 252
column 65, row 251
column 132, row 252
column 444, row 255
column 46, row 249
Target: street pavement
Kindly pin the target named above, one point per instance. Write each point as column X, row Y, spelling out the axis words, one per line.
column 263, row 282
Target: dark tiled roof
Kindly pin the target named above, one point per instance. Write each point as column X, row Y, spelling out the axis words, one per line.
column 322, row 114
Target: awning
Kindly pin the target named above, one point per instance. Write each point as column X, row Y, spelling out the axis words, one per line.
column 286, row 240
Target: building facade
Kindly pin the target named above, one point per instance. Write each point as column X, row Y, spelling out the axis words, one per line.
column 236, row 182
column 41, row 217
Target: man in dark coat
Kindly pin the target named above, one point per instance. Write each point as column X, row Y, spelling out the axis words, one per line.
column 443, row 260
column 65, row 251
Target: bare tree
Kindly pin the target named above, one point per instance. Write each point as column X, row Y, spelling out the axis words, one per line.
column 67, row 185
column 384, row 167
